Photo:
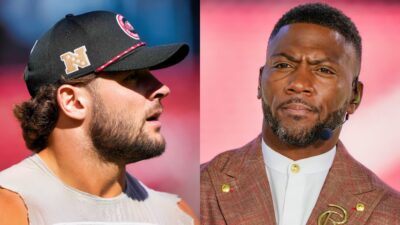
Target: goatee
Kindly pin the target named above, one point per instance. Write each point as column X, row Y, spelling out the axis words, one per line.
column 299, row 136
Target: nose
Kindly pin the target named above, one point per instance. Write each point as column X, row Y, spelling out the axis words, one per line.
column 162, row 92
column 156, row 89
column 153, row 88
column 300, row 82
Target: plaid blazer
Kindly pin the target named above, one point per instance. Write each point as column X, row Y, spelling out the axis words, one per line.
column 248, row 199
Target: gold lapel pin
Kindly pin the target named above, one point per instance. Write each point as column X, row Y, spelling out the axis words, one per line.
column 327, row 216
column 226, row 188
column 360, row 207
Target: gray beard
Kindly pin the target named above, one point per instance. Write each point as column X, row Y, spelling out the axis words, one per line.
column 118, row 141
column 302, row 137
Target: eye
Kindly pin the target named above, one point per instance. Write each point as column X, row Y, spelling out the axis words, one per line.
column 326, row 70
column 131, row 80
column 282, row 66
column 131, row 77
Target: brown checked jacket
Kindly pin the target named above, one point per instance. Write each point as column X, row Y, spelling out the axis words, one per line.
column 235, row 191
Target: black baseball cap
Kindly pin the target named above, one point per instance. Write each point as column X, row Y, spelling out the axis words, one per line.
column 94, row 42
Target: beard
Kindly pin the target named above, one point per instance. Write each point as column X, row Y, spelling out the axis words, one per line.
column 299, row 136
column 118, row 140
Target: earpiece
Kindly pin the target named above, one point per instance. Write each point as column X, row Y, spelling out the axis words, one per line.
column 357, row 99
column 259, row 82
column 357, row 94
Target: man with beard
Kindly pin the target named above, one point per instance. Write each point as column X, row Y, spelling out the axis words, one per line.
column 95, row 108
column 297, row 171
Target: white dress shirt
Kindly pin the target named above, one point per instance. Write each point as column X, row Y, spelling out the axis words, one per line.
column 295, row 185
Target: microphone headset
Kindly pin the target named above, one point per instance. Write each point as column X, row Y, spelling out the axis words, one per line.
column 326, row 133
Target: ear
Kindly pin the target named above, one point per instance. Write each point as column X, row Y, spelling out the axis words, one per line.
column 73, row 101
column 259, row 83
column 356, row 97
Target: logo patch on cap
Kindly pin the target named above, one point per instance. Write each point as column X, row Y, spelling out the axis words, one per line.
column 74, row 61
column 127, row 27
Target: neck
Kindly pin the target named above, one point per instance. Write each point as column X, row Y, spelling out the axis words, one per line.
column 77, row 164
column 296, row 152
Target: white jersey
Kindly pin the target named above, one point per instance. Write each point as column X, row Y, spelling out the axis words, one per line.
column 51, row 202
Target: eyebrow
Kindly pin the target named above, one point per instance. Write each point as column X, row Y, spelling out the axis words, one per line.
column 282, row 54
column 319, row 61
column 311, row 61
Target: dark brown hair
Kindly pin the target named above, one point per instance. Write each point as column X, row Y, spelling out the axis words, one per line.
column 323, row 15
column 38, row 116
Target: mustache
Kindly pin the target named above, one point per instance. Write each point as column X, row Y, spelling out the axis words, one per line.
column 301, row 101
column 156, row 109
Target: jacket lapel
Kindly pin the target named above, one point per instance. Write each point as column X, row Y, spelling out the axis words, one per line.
column 249, row 199
column 347, row 184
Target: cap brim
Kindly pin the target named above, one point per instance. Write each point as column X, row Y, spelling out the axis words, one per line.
column 152, row 58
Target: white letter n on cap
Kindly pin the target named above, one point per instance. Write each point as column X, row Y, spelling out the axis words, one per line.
column 74, row 61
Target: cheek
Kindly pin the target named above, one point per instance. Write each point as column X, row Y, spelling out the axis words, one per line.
column 127, row 107
column 333, row 98
column 343, row 94
column 271, row 90
column 124, row 98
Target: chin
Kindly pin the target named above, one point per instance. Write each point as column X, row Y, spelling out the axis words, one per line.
column 296, row 122
column 156, row 137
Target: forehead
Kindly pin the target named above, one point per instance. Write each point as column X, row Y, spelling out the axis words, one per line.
column 311, row 39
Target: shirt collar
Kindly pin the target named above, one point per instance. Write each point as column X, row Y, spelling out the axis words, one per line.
column 278, row 162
